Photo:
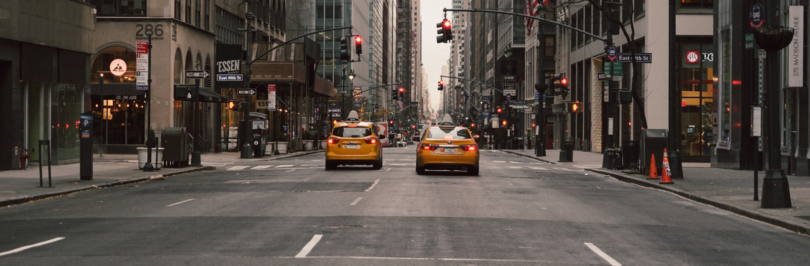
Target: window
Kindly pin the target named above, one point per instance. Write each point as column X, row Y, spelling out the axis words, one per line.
column 638, row 5
column 197, row 14
column 188, row 11
column 352, row 132
column 448, row 133
column 127, row 8
column 573, row 33
column 627, row 10
column 724, row 108
column 549, row 46
column 330, row 11
column 207, row 15
column 587, row 27
column 177, row 9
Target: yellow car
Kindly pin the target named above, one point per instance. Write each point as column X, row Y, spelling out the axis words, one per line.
column 447, row 147
column 352, row 143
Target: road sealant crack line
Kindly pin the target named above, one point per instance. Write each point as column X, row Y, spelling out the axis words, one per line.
column 31, row 246
column 372, row 185
column 309, row 246
column 602, row 254
column 794, row 227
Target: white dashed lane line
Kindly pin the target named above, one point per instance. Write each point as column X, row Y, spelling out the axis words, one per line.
column 603, row 255
column 309, row 246
column 260, row 167
column 237, row 168
column 30, row 246
column 178, row 203
column 356, row 201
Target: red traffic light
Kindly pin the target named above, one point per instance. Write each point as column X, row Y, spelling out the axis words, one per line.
column 358, row 39
column 472, row 125
column 441, row 82
column 564, row 81
column 500, row 110
column 390, row 122
column 401, row 90
column 413, row 126
column 446, row 24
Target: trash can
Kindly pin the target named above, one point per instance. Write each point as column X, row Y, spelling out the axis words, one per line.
column 630, row 154
column 653, row 141
column 567, row 152
column 176, row 146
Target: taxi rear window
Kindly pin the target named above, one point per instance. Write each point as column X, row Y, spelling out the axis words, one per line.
column 448, row 134
column 351, row 132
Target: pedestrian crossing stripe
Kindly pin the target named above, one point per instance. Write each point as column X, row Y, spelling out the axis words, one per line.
column 237, row 168
column 260, row 167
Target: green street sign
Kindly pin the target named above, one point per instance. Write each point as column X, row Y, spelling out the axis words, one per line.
column 612, row 68
column 617, row 68
column 750, row 43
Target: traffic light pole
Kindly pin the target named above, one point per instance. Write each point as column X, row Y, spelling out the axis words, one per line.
column 540, row 117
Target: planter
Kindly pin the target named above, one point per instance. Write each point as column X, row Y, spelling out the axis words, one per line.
column 309, row 145
column 157, row 157
column 281, row 147
column 323, row 144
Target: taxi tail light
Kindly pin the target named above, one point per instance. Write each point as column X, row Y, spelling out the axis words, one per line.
column 469, row 147
column 371, row 140
column 332, row 140
column 428, row 147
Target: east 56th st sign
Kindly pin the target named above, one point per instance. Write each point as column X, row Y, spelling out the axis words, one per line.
column 640, row 57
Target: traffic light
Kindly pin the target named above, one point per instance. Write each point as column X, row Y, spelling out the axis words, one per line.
column 441, row 84
column 233, row 105
column 472, row 125
column 574, row 107
column 504, row 123
column 413, row 126
column 358, row 42
column 394, row 94
column 499, row 109
column 391, row 122
column 345, row 50
column 445, row 31
column 402, row 92
column 564, row 87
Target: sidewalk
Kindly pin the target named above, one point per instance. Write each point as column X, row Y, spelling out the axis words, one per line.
column 731, row 190
column 18, row 186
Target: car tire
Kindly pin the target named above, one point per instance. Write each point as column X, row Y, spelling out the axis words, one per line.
column 331, row 165
column 420, row 170
column 473, row 171
column 377, row 165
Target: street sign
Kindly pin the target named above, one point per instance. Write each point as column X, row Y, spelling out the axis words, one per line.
column 640, row 57
column 611, row 53
column 617, row 69
column 196, row 74
column 229, row 77
column 602, row 76
column 750, row 43
column 509, row 92
column 245, row 92
column 755, row 16
column 761, row 54
column 142, row 47
column 617, row 78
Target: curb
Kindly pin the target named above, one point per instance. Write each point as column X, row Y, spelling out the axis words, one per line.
column 7, row 203
column 527, row 156
column 798, row 228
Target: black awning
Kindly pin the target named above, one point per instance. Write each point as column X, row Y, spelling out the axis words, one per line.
column 118, row 91
column 184, row 93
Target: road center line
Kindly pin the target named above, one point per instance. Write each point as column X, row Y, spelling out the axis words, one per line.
column 309, row 246
column 31, row 246
column 389, row 170
column 603, row 254
column 372, row 185
column 178, row 203
column 291, row 170
column 356, row 201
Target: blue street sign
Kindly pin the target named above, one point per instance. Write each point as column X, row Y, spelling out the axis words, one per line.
column 141, row 87
column 536, row 96
column 755, row 16
column 640, row 58
column 229, row 77
column 611, row 53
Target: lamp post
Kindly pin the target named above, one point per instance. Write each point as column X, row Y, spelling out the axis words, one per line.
column 149, row 140
column 246, row 149
column 103, row 113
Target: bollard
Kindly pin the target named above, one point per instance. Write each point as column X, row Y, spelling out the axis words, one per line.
column 45, row 143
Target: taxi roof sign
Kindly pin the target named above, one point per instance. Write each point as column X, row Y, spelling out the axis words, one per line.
column 353, row 117
column 447, row 121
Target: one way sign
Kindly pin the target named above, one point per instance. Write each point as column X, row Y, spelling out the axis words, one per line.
column 196, row 74
column 245, row 91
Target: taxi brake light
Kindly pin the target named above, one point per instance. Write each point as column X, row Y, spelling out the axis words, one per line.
column 428, row 147
column 371, row 140
column 352, row 125
column 469, row 147
column 332, row 140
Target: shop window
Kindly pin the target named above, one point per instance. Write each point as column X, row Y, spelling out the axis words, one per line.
column 696, row 83
column 126, row 8
column 724, row 105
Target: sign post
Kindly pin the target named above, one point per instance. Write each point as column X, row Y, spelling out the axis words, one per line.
column 271, row 97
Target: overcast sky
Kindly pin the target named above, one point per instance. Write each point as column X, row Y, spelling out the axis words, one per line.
column 434, row 55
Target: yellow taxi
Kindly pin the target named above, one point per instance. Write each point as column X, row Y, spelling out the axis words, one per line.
column 447, row 147
column 353, row 142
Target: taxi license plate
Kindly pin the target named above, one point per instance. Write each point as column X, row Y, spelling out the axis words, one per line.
column 449, row 150
column 352, row 146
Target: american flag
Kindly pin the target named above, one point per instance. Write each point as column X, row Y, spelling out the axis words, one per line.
column 532, row 7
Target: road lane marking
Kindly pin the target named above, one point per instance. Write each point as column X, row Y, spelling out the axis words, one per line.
column 603, row 254
column 372, row 185
column 398, row 164
column 309, row 246
column 237, row 168
column 291, row 170
column 498, row 161
column 514, row 162
column 356, row 201
column 282, row 166
column 516, row 167
column 564, row 169
column 538, row 168
column 260, row 167
column 389, row 170
column 31, row 246
column 178, row 203
column 330, row 258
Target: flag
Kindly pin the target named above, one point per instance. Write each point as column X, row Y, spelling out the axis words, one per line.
column 532, row 8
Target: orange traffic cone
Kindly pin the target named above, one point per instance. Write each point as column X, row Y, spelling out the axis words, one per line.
column 666, row 172
column 653, row 169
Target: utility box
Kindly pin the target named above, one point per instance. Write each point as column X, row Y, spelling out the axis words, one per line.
column 176, row 146
column 653, row 141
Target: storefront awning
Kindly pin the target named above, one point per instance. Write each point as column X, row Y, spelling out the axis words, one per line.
column 118, row 91
column 182, row 93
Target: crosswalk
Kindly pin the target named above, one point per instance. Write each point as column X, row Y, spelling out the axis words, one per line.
column 510, row 165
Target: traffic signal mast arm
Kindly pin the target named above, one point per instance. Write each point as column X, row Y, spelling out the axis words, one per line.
column 525, row 16
column 293, row 39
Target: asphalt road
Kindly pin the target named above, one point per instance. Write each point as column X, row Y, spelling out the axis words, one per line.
column 292, row 212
